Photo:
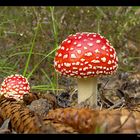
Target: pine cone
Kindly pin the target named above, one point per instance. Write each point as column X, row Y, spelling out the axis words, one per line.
column 98, row 121
column 30, row 97
column 22, row 119
column 61, row 128
column 83, row 120
column 119, row 121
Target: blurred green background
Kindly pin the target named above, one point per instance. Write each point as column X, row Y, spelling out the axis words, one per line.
column 29, row 37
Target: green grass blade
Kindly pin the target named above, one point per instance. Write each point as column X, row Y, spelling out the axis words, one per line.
column 31, row 49
column 36, row 66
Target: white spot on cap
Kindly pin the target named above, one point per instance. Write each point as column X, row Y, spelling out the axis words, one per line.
column 88, row 54
column 90, row 66
column 107, row 44
column 60, row 54
column 107, row 40
column 64, row 40
column 69, row 41
column 90, row 44
column 79, row 45
column 85, row 48
column 103, row 48
column 89, row 72
column 107, row 68
column 97, row 72
column 115, row 66
column 67, row 64
column 17, row 75
column 85, row 68
column 95, row 61
column 24, row 88
column 79, row 51
column 79, row 37
column 81, row 73
column 93, row 72
column 62, row 48
column 73, row 63
column 111, row 56
column 84, row 33
column 65, row 56
column 55, row 63
column 85, row 39
column 77, row 63
column 21, row 91
column 77, row 33
column 101, row 36
column 72, row 74
column 71, row 49
column 97, row 51
column 75, row 43
column 100, row 71
column 103, row 59
column 59, row 66
column 86, row 62
column 70, row 35
column 74, row 68
column 73, row 55
column 75, row 72
column 82, row 59
column 114, row 55
column 109, row 62
column 98, row 41
column 9, row 80
column 88, row 34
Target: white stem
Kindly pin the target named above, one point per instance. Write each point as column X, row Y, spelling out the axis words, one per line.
column 87, row 88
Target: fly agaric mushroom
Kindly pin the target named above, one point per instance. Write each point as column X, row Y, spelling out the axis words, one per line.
column 15, row 86
column 86, row 56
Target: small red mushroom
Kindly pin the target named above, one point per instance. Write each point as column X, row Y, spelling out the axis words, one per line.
column 86, row 56
column 15, row 86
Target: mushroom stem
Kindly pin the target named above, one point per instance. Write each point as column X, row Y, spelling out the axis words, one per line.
column 87, row 88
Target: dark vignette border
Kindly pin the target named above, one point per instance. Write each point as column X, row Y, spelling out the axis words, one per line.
column 70, row 2
column 70, row 136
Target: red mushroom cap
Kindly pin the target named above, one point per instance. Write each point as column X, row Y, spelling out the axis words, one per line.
column 15, row 86
column 85, row 55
